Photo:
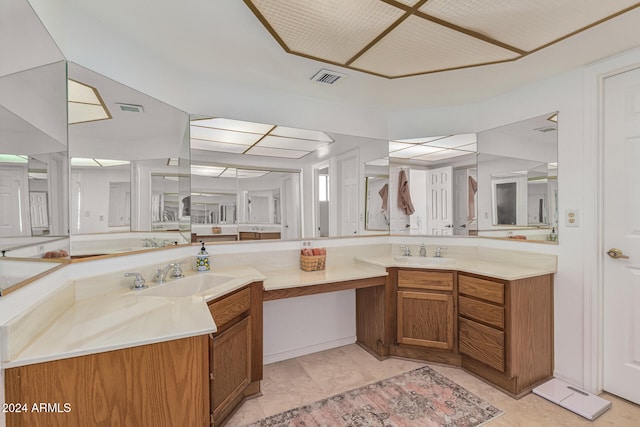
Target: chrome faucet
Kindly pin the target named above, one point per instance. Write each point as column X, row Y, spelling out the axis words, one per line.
column 161, row 275
column 139, row 282
column 406, row 249
column 438, row 253
column 423, row 250
column 150, row 243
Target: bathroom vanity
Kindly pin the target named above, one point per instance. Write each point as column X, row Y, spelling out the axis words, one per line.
column 190, row 351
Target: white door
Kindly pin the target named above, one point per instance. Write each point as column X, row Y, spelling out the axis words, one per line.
column 14, row 205
column 39, row 209
column 349, row 195
column 290, row 214
column 622, row 231
column 440, row 201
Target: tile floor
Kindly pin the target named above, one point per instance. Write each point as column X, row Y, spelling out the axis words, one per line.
column 292, row 383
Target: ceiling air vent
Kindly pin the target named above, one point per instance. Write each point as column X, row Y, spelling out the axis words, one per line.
column 130, row 108
column 327, row 77
column 546, row 129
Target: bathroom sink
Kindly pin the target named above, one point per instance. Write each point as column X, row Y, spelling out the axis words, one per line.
column 192, row 285
column 418, row 260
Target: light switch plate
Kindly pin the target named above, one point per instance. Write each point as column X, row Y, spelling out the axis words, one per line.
column 571, row 218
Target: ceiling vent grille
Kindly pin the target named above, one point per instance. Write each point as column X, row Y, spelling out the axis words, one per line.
column 327, row 77
column 546, row 129
column 130, row 108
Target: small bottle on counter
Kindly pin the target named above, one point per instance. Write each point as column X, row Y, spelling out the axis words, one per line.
column 203, row 259
column 554, row 235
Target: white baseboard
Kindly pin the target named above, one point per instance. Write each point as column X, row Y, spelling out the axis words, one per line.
column 297, row 352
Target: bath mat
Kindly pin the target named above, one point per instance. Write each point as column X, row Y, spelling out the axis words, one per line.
column 420, row 398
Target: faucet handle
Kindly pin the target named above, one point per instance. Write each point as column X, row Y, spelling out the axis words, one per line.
column 177, row 270
column 439, row 251
column 139, row 282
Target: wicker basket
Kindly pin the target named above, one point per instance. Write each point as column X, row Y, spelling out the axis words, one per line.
column 312, row 262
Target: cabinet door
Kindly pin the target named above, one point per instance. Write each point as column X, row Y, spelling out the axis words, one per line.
column 425, row 319
column 231, row 367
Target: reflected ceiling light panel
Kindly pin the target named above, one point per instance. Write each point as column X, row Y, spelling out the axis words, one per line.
column 13, row 158
column 251, row 173
column 413, row 151
column 173, row 161
column 38, row 175
column 203, row 170
column 419, row 140
column 226, row 136
column 291, row 143
column 395, row 146
column 472, row 148
column 553, row 118
column 232, row 125
column 440, row 155
column 276, row 152
column 108, row 162
column 379, row 162
column 553, row 165
column 79, row 161
column 454, row 141
column 199, row 144
column 312, row 135
column 171, row 178
column 85, row 103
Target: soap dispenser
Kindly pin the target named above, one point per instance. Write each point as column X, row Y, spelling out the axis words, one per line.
column 554, row 235
column 203, row 259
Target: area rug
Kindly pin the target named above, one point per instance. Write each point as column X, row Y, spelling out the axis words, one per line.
column 420, row 398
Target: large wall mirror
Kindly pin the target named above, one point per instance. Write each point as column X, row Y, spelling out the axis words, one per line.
column 130, row 178
column 518, row 180
column 255, row 181
column 433, row 185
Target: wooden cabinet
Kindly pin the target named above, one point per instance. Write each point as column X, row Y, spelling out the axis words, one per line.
column 259, row 235
column 235, row 351
column 426, row 309
column 506, row 330
column 150, row 385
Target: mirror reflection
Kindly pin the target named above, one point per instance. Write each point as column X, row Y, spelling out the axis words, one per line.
column 274, row 174
column 434, row 185
column 377, row 195
column 129, row 147
column 518, row 180
column 33, row 162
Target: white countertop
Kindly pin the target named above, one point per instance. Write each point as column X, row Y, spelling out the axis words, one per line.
column 498, row 269
column 123, row 318
column 294, row 277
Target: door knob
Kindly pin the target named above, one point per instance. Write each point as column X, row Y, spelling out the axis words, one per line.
column 616, row 253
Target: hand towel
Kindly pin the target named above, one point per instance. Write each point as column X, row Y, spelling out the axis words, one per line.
column 404, row 196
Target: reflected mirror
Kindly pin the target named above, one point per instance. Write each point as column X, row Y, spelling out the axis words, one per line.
column 128, row 147
column 518, row 180
column 282, row 179
column 33, row 163
column 433, row 185
column 377, row 195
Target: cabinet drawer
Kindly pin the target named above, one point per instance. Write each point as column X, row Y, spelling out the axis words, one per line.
column 481, row 311
column 481, row 288
column 229, row 307
column 432, row 280
column 483, row 343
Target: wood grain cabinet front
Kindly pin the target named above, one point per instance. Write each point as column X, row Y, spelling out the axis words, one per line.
column 163, row 384
column 235, row 350
column 506, row 330
column 425, row 312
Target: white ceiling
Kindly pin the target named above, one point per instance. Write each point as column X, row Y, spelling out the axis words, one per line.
column 223, row 40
